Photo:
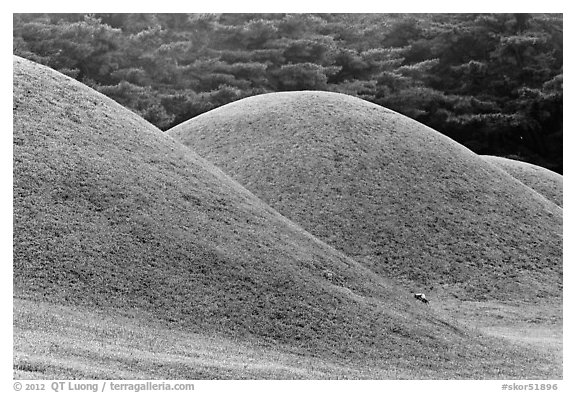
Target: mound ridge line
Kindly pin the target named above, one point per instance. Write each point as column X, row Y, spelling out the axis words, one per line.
column 401, row 198
column 545, row 182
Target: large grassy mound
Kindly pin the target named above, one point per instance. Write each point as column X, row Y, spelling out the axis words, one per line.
column 113, row 217
column 394, row 194
column 548, row 183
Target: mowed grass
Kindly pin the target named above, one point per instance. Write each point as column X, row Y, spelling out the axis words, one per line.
column 62, row 342
column 535, row 325
column 542, row 180
column 116, row 222
column 399, row 197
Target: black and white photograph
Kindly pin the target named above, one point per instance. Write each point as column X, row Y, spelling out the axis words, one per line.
column 313, row 196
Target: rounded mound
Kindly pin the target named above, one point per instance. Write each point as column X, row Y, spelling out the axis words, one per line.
column 549, row 184
column 394, row 194
column 111, row 213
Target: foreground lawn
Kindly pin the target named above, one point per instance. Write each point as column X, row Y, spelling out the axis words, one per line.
column 60, row 342
column 529, row 325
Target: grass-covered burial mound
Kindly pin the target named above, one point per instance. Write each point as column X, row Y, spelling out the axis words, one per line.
column 399, row 197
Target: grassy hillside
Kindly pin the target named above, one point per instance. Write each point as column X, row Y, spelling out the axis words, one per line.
column 121, row 232
column 401, row 198
column 544, row 181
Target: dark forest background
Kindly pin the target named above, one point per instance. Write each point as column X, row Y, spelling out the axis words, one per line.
column 492, row 82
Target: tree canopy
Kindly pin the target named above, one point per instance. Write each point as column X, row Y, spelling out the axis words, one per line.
column 492, row 82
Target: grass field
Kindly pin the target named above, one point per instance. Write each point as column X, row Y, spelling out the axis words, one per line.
column 62, row 342
column 532, row 325
column 136, row 258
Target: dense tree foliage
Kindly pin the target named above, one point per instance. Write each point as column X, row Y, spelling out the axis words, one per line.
column 493, row 82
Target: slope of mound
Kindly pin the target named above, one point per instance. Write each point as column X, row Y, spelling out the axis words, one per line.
column 544, row 181
column 112, row 215
column 392, row 193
